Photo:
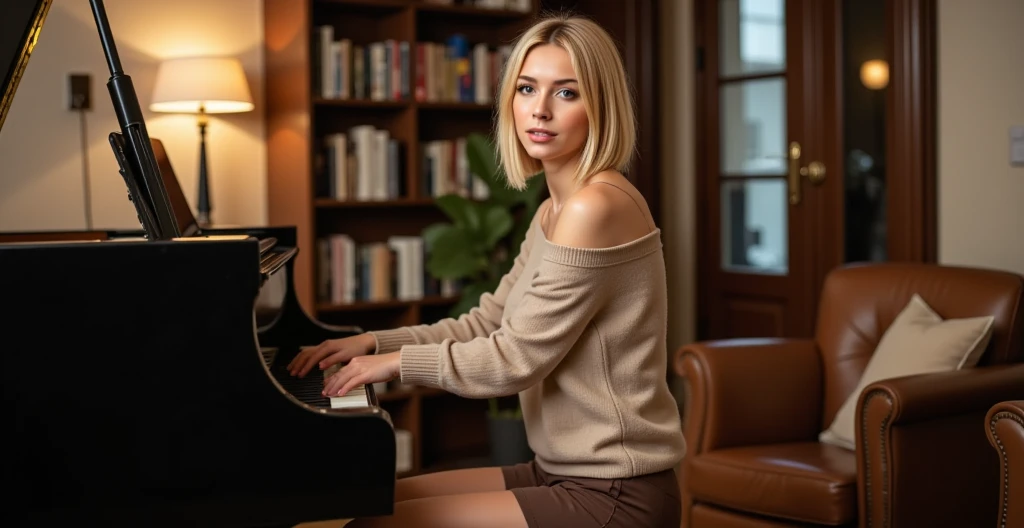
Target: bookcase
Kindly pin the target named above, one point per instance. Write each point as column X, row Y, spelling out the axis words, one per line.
column 304, row 116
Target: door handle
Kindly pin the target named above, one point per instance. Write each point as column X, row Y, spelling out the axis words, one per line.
column 814, row 171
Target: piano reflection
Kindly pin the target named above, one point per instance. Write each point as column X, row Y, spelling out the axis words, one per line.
column 144, row 379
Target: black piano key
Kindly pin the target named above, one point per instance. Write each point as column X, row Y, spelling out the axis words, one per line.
column 307, row 390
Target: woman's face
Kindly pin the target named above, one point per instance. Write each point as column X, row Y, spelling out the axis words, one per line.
column 551, row 121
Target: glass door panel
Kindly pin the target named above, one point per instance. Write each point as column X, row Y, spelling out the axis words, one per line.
column 753, row 164
column 864, row 85
column 752, row 37
column 754, row 228
column 753, row 127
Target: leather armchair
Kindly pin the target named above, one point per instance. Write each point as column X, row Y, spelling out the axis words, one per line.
column 1005, row 428
column 755, row 407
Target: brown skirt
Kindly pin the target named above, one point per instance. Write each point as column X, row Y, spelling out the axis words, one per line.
column 553, row 501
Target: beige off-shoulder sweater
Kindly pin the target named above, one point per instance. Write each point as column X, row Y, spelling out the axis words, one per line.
column 579, row 334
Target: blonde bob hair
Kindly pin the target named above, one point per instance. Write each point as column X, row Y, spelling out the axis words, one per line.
column 604, row 91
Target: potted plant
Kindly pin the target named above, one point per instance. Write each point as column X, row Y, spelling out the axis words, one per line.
column 477, row 246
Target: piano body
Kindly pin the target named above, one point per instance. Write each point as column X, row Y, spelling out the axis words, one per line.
column 143, row 387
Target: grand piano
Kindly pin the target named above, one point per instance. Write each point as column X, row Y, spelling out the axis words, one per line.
column 143, row 370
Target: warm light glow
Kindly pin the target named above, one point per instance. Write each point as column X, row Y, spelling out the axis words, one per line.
column 875, row 74
column 216, row 84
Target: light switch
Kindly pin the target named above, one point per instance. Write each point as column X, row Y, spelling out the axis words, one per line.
column 1017, row 146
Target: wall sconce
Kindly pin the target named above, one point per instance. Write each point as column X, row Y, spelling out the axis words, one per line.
column 202, row 85
column 875, row 74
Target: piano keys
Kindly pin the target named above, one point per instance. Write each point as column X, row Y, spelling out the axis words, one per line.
column 353, row 399
column 309, row 390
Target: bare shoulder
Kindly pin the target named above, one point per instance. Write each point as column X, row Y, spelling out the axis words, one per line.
column 601, row 216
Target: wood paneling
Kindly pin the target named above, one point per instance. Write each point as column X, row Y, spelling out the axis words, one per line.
column 754, row 317
column 912, row 121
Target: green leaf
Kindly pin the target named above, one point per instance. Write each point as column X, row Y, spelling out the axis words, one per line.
column 483, row 162
column 464, row 305
column 527, row 214
column 431, row 232
column 452, row 258
column 471, row 296
column 461, row 210
column 482, row 157
column 497, row 222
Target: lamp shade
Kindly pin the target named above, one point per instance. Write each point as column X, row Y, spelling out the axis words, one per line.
column 215, row 84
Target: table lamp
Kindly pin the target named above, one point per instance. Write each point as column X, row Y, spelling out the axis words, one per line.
column 201, row 85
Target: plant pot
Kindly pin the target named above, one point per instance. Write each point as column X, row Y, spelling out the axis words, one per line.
column 508, row 441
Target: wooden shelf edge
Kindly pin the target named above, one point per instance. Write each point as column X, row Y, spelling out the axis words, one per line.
column 432, row 391
column 396, row 104
column 395, row 395
column 331, row 203
column 453, row 105
column 382, row 305
column 399, row 104
column 383, row 5
column 474, row 11
column 391, row 5
column 407, row 393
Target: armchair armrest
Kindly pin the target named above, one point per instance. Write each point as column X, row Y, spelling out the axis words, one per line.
column 750, row 391
column 922, row 444
column 1005, row 428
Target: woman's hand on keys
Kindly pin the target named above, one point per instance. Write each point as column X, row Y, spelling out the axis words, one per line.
column 364, row 370
column 331, row 352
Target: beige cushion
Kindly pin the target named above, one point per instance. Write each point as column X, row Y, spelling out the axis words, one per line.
column 917, row 342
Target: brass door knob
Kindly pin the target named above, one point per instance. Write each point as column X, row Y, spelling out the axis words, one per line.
column 815, row 172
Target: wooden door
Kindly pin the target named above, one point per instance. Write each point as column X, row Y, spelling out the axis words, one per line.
column 804, row 162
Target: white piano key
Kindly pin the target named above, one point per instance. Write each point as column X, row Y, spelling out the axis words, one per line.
column 353, row 399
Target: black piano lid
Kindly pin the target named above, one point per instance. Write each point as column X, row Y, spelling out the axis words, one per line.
column 20, row 23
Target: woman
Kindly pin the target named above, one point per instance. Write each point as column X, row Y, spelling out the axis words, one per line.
column 576, row 328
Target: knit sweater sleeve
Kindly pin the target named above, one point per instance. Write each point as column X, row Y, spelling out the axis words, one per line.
column 560, row 302
column 480, row 321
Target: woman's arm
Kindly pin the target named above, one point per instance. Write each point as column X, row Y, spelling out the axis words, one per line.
column 480, row 321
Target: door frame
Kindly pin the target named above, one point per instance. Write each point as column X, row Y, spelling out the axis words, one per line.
column 910, row 144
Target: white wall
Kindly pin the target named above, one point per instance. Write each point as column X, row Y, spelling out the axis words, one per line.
column 41, row 143
column 981, row 94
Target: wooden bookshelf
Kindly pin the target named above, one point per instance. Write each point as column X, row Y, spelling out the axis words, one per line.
column 447, row 431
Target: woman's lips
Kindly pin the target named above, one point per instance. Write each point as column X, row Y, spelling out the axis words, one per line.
column 540, row 136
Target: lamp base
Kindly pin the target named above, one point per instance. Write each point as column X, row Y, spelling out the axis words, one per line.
column 204, row 207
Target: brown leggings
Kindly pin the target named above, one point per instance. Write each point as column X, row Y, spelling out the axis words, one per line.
column 552, row 501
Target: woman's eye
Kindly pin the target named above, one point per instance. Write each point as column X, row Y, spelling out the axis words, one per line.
column 566, row 93
column 524, row 89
